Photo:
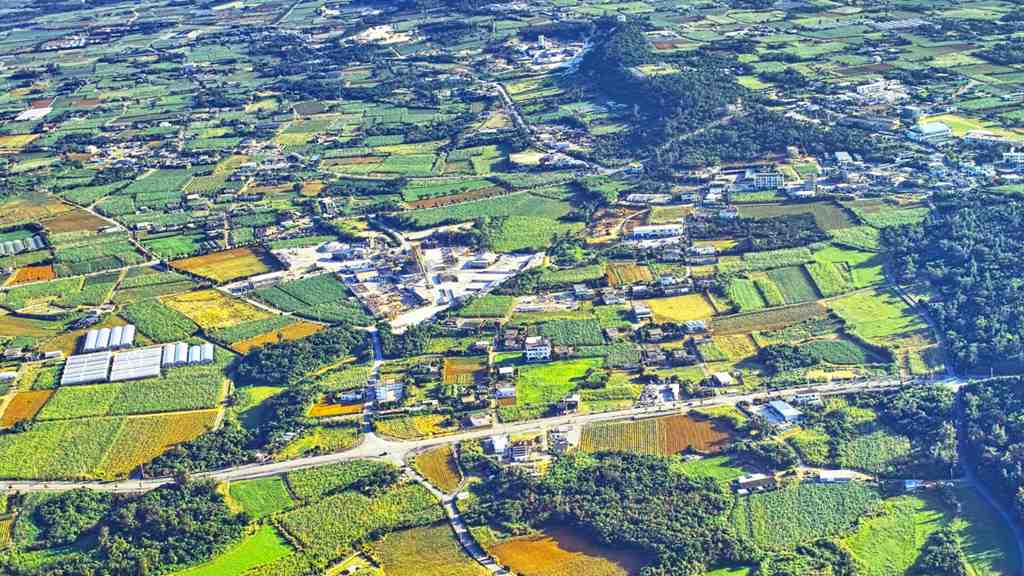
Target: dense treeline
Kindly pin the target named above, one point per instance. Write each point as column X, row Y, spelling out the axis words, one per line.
column 759, row 132
column 755, row 234
column 993, row 412
column 163, row 530
column 623, row 500
column 969, row 250
column 678, row 102
column 941, row 556
column 286, row 362
column 1005, row 53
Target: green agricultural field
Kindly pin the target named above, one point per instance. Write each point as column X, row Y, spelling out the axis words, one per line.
column 826, row 215
column 570, row 276
column 776, row 258
column 880, row 215
column 313, row 484
column 744, row 293
column 889, row 542
column 573, row 332
column 526, row 233
column 516, row 204
column 864, row 268
column 261, row 547
column 987, row 543
column 487, row 306
column 877, row 315
column 333, row 527
column 159, row 322
column 799, row 513
column 261, row 497
column 545, row 384
column 828, row 278
column 769, row 291
column 812, row 446
column 841, row 351
column 58, row 450
column 879, row 453
column 795, row 284
column 721, row 468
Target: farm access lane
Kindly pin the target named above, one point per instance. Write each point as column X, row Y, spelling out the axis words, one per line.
column 397, row 451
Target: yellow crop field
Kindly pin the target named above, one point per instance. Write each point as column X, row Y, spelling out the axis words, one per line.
column 681, row 308
column 6, row 530
column 736, row 346
column 19, row 211
column 409, row 427
column 425, row 551
column 145, row 437
column 213, row 309
column 562, row 551
column 24, row 406
column 438, row 466
column 294, row 331
column 16, row 141
column 327, row 410
column 227, row 265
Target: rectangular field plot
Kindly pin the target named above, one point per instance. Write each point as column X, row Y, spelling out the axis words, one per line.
column 877, row 316
column 681, row 308
column 661, row 436
column 228, row 265
column 426, row 551
column 143, row 438
column 799, row 513
column 212, row 309
column 795, row 284
column 64, row 449
column 775, row 319
column 827, row 216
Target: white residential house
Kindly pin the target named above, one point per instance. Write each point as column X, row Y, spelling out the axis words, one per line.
column 538, row 349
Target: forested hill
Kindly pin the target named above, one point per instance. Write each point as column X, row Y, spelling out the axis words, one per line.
column 969, row 249
column 687, row 117
column 994, row 427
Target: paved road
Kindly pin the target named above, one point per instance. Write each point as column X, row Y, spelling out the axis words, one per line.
column 376, row 447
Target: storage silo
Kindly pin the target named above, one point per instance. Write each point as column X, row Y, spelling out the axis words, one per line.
column 195, row 354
